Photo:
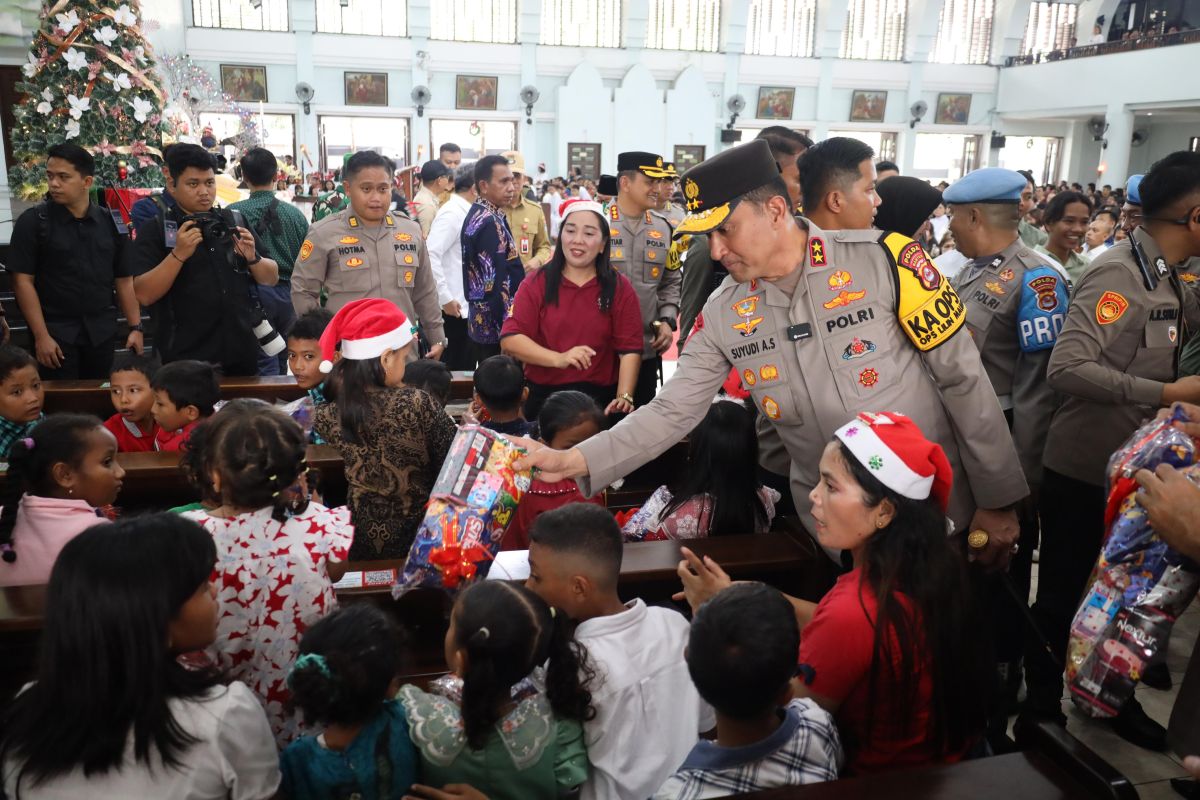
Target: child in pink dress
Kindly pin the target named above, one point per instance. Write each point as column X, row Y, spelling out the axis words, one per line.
column 58, row 478
column 278, row 554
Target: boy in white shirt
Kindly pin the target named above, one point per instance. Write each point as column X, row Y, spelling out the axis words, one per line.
column 648, row 712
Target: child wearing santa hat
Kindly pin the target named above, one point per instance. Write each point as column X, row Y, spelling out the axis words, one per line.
column 392, row 439
column 892, row 650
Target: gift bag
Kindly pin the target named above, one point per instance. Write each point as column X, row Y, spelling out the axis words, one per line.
column 1139, row 585
column 472, row 501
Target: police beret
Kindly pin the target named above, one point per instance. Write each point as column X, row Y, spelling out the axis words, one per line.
column 713, row 188
column 987, row 185
column 649, row 163
column 1133, row 190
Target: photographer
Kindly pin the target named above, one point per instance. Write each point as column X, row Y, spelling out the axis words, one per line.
column 198, row 267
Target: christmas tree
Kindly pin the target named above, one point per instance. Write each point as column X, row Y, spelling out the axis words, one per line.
column 89, row 80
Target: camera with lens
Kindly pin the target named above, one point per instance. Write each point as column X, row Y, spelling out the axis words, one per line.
column 213, row 227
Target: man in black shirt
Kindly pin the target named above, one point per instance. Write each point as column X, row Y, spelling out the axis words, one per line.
column 66, row 260
column 201, row 282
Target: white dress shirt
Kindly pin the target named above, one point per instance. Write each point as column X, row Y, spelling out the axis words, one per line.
column 445, row 251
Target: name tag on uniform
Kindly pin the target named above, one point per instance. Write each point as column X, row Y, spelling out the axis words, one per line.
column 119, row 221
column 170, row 232
column 524, row 245
column 797, row 332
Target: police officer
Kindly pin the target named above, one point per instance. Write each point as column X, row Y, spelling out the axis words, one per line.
column 820, row 326
column 1115, row 364
column 1030, row 235
column 1016, row 302
column 365, row 251
column 526, row 219
column 1131, row 212
column 640, row 241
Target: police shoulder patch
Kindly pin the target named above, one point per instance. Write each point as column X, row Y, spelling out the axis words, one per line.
column 306, row 249
column 926, row 305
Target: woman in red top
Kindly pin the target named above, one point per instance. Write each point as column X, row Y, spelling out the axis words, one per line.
column 892, row 650
column 576, row 323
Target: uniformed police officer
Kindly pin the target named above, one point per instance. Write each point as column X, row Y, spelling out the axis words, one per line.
column 1030, row 235
column 526, row 219
column 1131, row 212
column 640, row 240
column 365, row 251
column 1115, row 365
column 1016, row 302
column 821, row 326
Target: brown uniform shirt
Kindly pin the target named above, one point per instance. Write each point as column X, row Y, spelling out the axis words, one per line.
column 1118, row 347
column 639, row 249
column 532, row 237
column 1016, row 305
column 351, row 260
column 860, row 333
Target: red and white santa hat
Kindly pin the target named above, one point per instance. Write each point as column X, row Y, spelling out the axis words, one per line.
column 893, row 448
column 579, row 204
column 365, row 328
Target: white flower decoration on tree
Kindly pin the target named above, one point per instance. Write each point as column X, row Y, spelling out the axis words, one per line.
column 67, row 22
column 75, row 59
column 72, row 128
column 78, row 105
column 106, row 35
column 119, row 81
column 141, row 109
column 45, row 107
column 31, row 68
column 125, row 16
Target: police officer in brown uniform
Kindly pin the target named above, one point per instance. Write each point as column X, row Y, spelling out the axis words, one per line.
column 526, row 219
column 365, row 251
column 1115, row 365
column 639, row 249
column 821, row 325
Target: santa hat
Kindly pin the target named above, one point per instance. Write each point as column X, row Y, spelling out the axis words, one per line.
column 895, row 451
column 578, row 204
column 365, row 328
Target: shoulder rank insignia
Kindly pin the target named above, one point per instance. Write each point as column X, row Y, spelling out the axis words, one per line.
column 816, row 251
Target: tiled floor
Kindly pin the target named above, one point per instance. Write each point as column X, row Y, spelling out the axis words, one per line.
column 1150, row 772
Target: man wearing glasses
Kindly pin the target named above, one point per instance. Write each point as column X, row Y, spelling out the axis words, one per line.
column 1115, row 363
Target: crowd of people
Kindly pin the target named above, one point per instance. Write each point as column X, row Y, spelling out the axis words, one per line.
column 931, row 378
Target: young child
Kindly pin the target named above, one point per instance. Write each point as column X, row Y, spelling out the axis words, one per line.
column 516, row 750
column 501, row 392
column 185, row 393
column 278, row 554
column 111, row 711
column 430, row 376
column 129, row 387
column 304, row 351
column 648, row 713
column 719, row 493
column 741, row 655
column 392, row 439
column 67, row 469
column 346, row 680
column 565, row 419
column 21, row 396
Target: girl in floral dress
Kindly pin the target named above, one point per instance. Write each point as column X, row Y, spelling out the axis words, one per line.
column 719, row 493
column 525, row 748
column 278, row 554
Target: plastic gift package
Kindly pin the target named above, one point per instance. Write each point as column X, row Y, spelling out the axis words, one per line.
column 472, row 501
column 1139, row 585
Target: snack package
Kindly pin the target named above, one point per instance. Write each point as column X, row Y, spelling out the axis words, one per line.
column 301, row 410
column 1139, row 585
column 471, row 504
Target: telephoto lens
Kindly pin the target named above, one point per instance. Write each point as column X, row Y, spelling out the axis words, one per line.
column 269, row 340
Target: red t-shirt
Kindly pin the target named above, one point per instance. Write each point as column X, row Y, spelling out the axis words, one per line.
column 174, row 440
column 577, row 320
column 540, row 498
column 131, row 438
column 838, row 644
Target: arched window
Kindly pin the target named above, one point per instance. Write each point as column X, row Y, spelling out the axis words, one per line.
column 581, row 23
column 964, row 32
column 268, row 15
column 473, row 20
column 1051, row 26
column 363, row 17
column 875, row 30
column 684, row 25
column 782, row 28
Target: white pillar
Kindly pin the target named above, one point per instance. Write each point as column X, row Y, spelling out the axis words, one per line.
column 6, row 208
column 304, row 22
column 1114, row 159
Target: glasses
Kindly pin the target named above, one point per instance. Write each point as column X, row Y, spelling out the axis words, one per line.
column 1184, row 220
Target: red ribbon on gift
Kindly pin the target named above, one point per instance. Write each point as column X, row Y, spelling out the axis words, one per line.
column 456, row 564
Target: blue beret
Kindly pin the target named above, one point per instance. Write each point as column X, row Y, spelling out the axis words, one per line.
column 1133, row 190
column 987, row 185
